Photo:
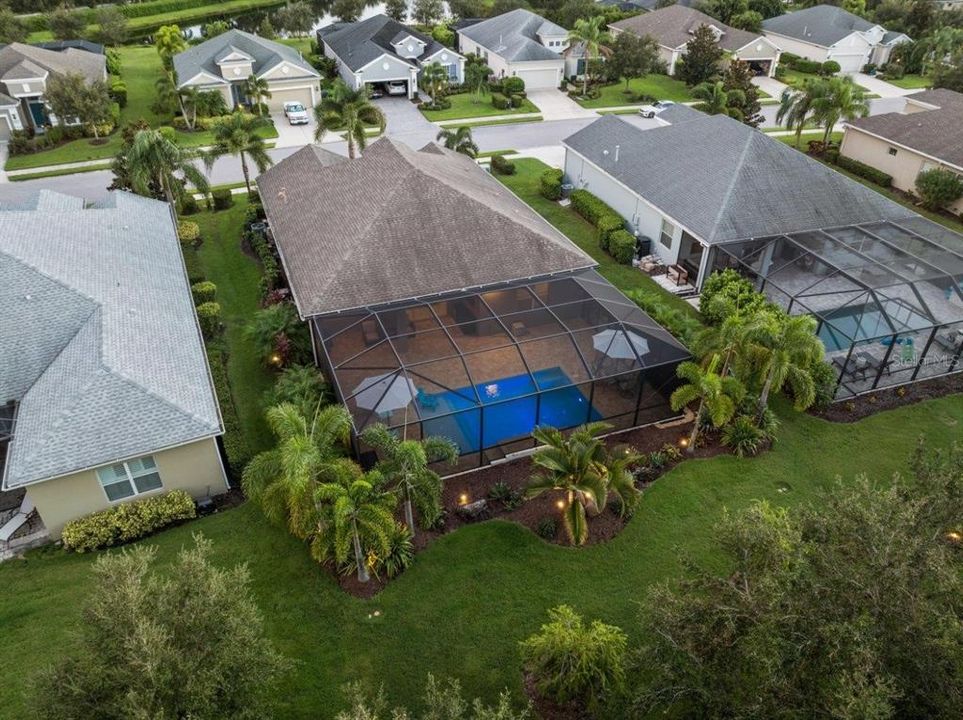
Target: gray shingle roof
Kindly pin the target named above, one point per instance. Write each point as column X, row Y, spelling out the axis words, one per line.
column 397, row 224
column 673, row 26
column 18, row 61
column 514, row 35
column 724, row 181
column 938, row 133
column 357, row 44
column 822, row 25
column 266, row 54
column 99, row 344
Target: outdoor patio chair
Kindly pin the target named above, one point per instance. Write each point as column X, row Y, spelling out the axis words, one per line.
column 428, row 402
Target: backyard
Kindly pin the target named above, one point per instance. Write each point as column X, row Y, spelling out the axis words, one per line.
column 660, row 87
column 469, row 105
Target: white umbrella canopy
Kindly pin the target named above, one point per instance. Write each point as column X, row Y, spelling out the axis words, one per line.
column 388, row 392
column 620, row 345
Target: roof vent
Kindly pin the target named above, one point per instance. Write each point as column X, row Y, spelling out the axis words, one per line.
column 28, row 296
column 283, row 195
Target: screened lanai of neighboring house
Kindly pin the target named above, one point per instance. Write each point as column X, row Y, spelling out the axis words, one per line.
column 483, row 368
column 887, row 296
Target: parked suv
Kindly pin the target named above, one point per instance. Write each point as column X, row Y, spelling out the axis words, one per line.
column 295, row 112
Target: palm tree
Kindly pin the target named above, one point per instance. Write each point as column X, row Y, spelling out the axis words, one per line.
column 404, row 465
column 257, row 89
column 785, row 347
column 348, row 109
column 716, row 100
column 155, row 160
column 189, row 98
column 794, row 108
column 727, row 340
column 434, row 79
column 593, row 35
column 459, row 140
column 237, row 135
column 476, row 78
column 357, row 515
column 839, row 98
column 718, row 395
column 283, row 480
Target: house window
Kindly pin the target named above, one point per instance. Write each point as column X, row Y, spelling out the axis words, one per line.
column 452, row 71
column 892, row 151
column 668, row 230
column 127, row 479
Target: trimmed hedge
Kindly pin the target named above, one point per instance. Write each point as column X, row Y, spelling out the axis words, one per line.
column 500, row 101
column 209, row 317
column 550, row 184
column 127, row 522
column 590, row 207
column 223, row 199
column 501, row 166
column 188, row 231
column 513, row 85
column 622, row 246
column 204, row 291
column 235, row 444
column 517, row 100
column 188, row 205
column 608, row 225
column 865, row 171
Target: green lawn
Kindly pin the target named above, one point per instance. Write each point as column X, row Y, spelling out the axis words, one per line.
column 503, row 121
column 912, row 82
column 794, row 78
column 661, row 87
column 468, row 105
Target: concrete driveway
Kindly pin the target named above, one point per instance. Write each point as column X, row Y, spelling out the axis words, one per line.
column 292, row 135
column 770, row 86
column 553, row 104
column 880, row 87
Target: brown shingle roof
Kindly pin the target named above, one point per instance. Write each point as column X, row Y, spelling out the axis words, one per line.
column 397, row 224
column 673, row 26
column 938, row 133
column 17, row 56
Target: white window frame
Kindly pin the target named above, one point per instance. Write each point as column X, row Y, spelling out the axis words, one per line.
column 662, row 234
column 132, row 476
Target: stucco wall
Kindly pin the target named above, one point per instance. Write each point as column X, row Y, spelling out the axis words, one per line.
column 797, row 47
column 498, row 65
column 195, row 468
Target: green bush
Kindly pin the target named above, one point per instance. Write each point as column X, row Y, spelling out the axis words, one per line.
column 188, row 231
column 513, row 85
column 300, row 385
column 590, row 207
column 444, row 35
column 726, row 293
column 223, row 199
column 743, row 436
column 203, row 292
column 622, row 246
column 168, row 133
column 865, row 171
column 501, row 166
column 547, row 528
column 830, row 67
column 113, row 62
column 500, row 101
column 681, row 324
column 127, row 521
column 188, row 205
column 235, row 444
column 209, row 317
column 517, row 100
column 938, row 188
column 550, row 184
column 824, row 377
column 118, row 92
column 608, row 224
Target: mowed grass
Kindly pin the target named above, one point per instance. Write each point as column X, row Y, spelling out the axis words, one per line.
column 911, row 82
column 469, row 105
column 661, row 87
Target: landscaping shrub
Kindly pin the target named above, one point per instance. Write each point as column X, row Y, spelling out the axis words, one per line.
column 681, row 324
column 271, row 269
column 300, row 385
column 235, row 444
column 168, row 133
column 513, row 85
column 444, row 35
column 517, row 100
column 188, row 231
column 223, row 199
column 865, row 171
column 824, row 378
column 607, row 225
column 209, row 317
column 128, row 521
column 279, row 336
column 118, row 92
column 500, row 101
column 725, row 293
column 202, row 123
column 830, row 67
column 203, row 291
column 501, row 166
column 938, row 188
column 590, row 207
column 622, row 246
column 742, row 436
column 112, row 61
column 547, row 528
column 401, row 551
column 550, row 184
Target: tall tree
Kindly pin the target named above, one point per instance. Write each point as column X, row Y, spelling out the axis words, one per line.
column 458, row 139
column 238, row 135
column 72, row 96
column 298, row 17
column 718, row 395
column 258, row 89
column 112, row 25
column 66, row 24
column 738, row 76
column 702, row 57
column 786, row 348
column 169, row 40
column 633, row 57
column 593, row 35
column 153, row 162
column 427, row 12
column 434, row 81
column 795, row 110
column 839, row 98
column 725, row 10
column 347, row 11
column 183, row 641
column 476, row 79
column 12, row 28
column 466, row 8
column 405, row 466
column 349, row 110
column 717, row 100
column 397, row 10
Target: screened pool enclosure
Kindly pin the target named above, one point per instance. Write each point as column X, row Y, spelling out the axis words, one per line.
column 887, row 296
column 483, row 368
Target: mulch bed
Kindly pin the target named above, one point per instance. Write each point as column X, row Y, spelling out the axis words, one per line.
column 887, row 399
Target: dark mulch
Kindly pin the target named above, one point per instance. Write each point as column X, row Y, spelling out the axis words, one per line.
column 545, row 708
column 859, row 407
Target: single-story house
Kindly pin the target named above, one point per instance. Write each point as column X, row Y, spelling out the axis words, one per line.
column 104, row 382
column 642, row 5
column 225, row 62
column 423, row 327
column 827, row 32
column 522, row 44
column 706, row 192
column 927, row 134
column 381, row 50
column 673, row 27
column 24, row 72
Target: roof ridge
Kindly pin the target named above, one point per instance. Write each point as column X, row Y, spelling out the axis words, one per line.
column 724, row 205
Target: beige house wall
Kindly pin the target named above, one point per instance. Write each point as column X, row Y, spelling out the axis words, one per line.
column 195, row 468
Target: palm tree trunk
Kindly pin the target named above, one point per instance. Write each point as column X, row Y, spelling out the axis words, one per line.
column 359, row 557
column 247, row 179
column 764, row 395
column 409, row 513
column 350, row 138
column 799, row 129
column 694, row 435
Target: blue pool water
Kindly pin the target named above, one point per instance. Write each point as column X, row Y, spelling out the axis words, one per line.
column 509, row 415
column 866, row 322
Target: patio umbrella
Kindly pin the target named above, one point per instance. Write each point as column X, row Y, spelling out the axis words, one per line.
column 385, row 393
column 618, row 344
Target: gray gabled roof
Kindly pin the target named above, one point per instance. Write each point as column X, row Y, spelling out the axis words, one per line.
column 266, row 54
column 18, row 61
column 723, row 180
column 358, row 44
column 675, row 25
column 822, row 25
column 397, row 224
column 99, row 344
column 514, row 36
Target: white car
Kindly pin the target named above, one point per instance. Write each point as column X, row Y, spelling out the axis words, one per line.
column 650, row 111
column 397, row 87
column 295, row 113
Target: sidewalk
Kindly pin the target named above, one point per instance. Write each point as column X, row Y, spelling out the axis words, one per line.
column 488, row 119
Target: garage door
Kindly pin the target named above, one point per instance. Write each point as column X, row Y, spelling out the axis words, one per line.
column 4, row 128
column 279, row 97
column 849, row 63
column 539, row 79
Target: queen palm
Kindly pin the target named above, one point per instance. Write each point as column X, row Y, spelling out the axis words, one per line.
column 785, row 348
column 237, row 135
column 155, row 161
column 350, row 110
column 257, row 89
column 476, row 79
column 716, row 100
column 840, row 98
column 434, row 78
column 356, row 516
column 283, row 480
column 718, row 395
column 795, row 109
column 404, row 465
column 459, row 140
column 592, row 34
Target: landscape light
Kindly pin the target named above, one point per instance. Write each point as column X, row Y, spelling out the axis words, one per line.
column 463, row 499
column 561, row 504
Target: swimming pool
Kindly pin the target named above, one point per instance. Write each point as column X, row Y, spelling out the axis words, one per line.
column 510, row 406
column 848, row 325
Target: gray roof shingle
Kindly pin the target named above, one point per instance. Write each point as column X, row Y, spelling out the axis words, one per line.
column 265, row 53
column 357, row 44
column 673, row 27
column 723, row 180
column 514, row 35
column 99, row 344
column 397, row 224
column 823, row 25
column 18, row 61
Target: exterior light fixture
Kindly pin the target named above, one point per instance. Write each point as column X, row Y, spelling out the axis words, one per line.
column 463, row 499
column 561, row 504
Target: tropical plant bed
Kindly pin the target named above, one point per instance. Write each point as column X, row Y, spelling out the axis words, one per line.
column 890, row 398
